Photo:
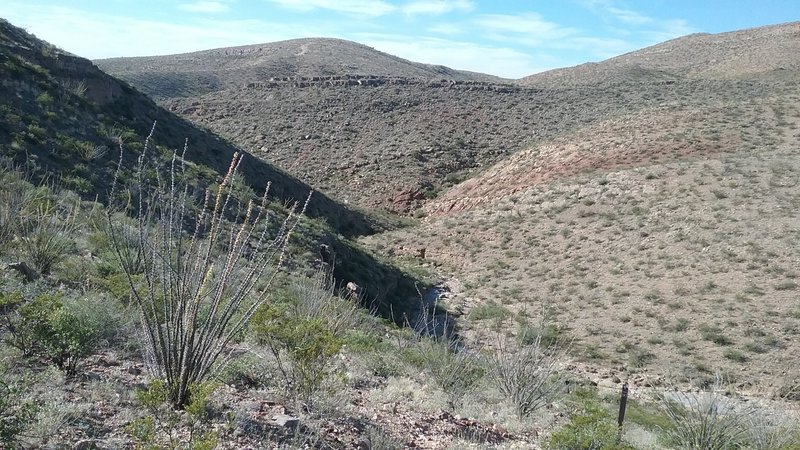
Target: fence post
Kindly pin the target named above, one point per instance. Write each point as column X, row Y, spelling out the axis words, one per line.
column 623, row 401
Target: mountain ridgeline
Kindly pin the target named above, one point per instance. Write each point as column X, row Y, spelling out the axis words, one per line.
column 399, row 135
column 198, row 73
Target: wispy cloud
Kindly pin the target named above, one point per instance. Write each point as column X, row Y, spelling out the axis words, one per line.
column 112, row 35
column 528, row 29
column 437, row 7
column 647, row 29
column 462, row 55
column 669, row 29
column 630, row 16
column 204, row 7
column 370, row 8
column 450, row 29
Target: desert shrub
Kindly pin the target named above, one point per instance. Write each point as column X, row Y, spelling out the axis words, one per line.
column 304, row 332
column 307, row 343
column 714, row 334
column 49, row 327
column 769, row 430
column 14, row 196
column 49, row 239
column 14, row 335
column 208, row 264
column 547, row 336
column 109, row 321
column 377, row 438
column 16, row 412
column 431, row 344
column 163, row 427
column 528, row 375
column 455, row 369
column 488, row 310
column 591, row 427
column 707, row 420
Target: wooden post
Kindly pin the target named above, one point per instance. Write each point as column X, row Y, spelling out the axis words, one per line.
column 623, row 401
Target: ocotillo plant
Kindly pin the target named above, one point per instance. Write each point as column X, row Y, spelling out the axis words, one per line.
column 197, row 269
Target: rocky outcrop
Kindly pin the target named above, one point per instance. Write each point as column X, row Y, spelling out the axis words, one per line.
column 372, row 81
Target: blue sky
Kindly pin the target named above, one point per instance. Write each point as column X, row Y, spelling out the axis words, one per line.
column 506, row 38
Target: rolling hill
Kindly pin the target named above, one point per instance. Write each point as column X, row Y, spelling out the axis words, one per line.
column 743, row 54
column 197, row 73
column 663, row 240
column 572, row 187
column 61, row 119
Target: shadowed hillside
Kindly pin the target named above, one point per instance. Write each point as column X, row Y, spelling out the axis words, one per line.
column 62, row 119
column 65, row 116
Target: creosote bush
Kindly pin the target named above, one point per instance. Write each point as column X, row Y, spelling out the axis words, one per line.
column 206, row 260
column 48, row 326
column 304, row 331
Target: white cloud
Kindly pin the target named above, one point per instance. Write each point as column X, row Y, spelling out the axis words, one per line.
column 105, row 36
column 668, row 29
column 371, row 8
column 204, row 7
column 599, row 47
column 629, row 16
column 531, row 25
column 437, row 7
column 496, row 60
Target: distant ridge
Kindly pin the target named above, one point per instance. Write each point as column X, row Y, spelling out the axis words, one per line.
column 736, row 54
column 197, row 73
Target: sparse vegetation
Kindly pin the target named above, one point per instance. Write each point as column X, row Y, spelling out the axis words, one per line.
column 528, row 374
column 653, row 248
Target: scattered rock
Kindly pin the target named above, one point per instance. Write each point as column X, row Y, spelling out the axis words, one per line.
column 86, row 444
column 354, row 289
column 26, row 271
column 286, row 421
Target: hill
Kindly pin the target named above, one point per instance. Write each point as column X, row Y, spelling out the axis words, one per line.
column 61, row 119
column 742, row 54
column 660, row 239
column 197, row 73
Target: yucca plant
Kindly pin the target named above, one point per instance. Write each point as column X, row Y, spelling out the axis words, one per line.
column 207, row 265
column 708, row 420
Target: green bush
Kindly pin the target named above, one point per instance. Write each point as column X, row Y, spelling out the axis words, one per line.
column 308, row 343
column 591, row 427
column 164, row 427
column 48, row 327
column 489, row 310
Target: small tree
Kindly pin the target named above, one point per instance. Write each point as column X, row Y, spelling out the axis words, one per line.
column 207, row 265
